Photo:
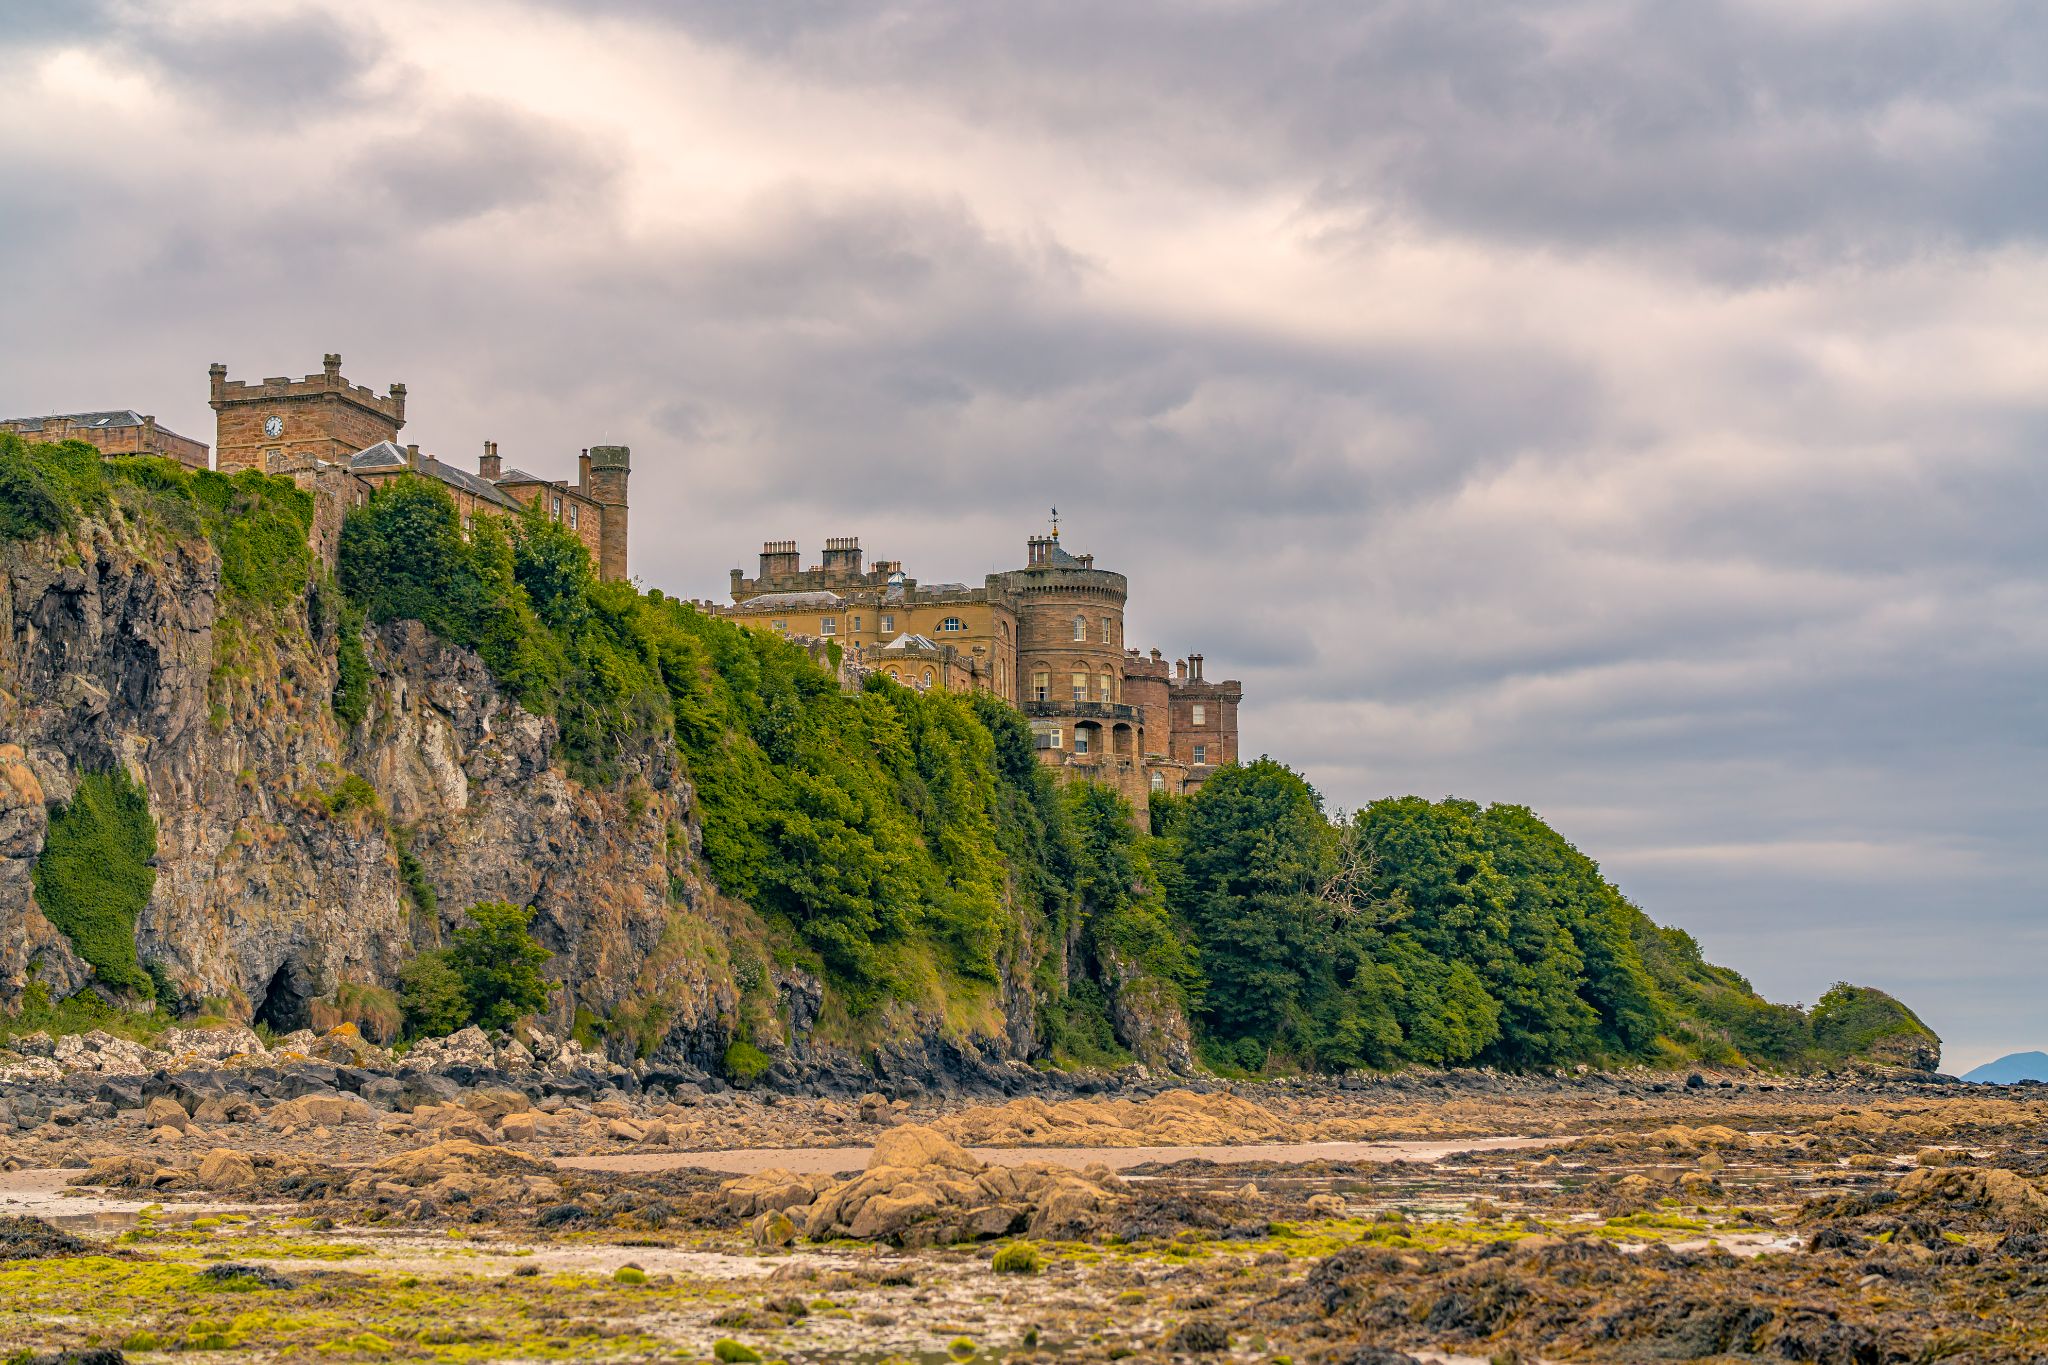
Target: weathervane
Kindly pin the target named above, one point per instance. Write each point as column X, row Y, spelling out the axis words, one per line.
column 1055, row 523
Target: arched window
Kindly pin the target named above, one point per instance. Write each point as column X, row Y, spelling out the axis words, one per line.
column 1158, row 782
column 1081, row 629
column 894, row 676
column 927, row 677
column 952, row 623
column 1108, row 692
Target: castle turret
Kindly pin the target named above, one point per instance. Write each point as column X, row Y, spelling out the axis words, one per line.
column 609, row 468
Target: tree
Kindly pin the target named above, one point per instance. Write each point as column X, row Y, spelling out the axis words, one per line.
column 430, row 995
column 489, row 975
column 1252, row 853
column 499, row 964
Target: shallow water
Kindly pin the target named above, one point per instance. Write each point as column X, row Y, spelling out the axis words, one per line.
column 803, row 1160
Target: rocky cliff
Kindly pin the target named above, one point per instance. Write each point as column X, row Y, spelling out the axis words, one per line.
column 281, row 878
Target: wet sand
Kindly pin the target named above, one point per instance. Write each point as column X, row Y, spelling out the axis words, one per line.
column 835, row 1160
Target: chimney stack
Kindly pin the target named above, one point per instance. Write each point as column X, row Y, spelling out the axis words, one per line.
column 583, row 472
column 412, row 457
column 1180, row 670
column 331, row 363
column 490, row 466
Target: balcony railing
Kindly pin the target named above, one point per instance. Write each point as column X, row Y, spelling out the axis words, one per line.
column 1086, row 710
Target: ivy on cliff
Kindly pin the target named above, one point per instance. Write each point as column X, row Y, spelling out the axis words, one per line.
column 95, row 874
column 257, row 523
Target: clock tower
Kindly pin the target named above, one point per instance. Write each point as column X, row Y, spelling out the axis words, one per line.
column 322, row 417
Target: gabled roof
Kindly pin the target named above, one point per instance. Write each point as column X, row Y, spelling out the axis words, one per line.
column 385, row 456
column 797, row 601
column 518, row 475
column 908, row 641
column 118, row 417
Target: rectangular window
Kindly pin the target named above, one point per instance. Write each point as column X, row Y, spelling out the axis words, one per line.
column 888, row 624
column 1080, row 741
column 1105, row 632
column 573, row 509
column 828, row 625
column 1200, row 715
column 1201, row 754
column 1108, row 688
column 1081, row 628
column 1041, row 687
column 1080, row 687
column 856, row 625
column 558, row 509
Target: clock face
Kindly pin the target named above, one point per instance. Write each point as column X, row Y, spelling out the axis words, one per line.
column 273, row 426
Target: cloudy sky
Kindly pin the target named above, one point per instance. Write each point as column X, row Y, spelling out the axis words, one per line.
column 1632, row 410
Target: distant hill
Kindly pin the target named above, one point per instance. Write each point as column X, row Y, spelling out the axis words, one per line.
column 2011, row 1069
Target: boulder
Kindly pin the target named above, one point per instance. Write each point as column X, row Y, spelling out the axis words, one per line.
column 165, row 1112
column 492, row 1103
column 334, row 1109
column 519, row 1127
column 891, row 1215
column 914, row 1146
column 772, row 1228
column 223, row 1168
column 774, row 1190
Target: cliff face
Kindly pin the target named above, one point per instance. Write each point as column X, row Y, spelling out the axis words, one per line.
column 278, row 879
column 301, row 861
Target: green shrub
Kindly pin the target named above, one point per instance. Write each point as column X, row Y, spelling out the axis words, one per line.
column 31, row 505
column 630, row 1274
column 430, row 996
column 733, row 1353
column 94, row 875
column 745, row 1063
column 488, row 975
column 351, row 669
column 1018, row 1258
column 499, row 964
column 412, row 876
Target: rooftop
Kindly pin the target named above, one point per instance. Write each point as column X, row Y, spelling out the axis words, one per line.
column 386, row 455
column 772, row 601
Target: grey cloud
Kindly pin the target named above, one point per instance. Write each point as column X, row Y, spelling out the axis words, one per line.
column 1750, row 138
column 473, row 159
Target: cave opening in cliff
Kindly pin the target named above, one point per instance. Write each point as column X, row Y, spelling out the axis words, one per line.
column 286, row 1004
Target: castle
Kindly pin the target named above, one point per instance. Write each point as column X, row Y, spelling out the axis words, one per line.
column 1047, row 637
column 340, row 439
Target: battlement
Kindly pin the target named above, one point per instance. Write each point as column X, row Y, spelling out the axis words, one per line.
column 328, row 382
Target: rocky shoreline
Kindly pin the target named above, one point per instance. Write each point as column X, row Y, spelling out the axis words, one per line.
column 486, row 1199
